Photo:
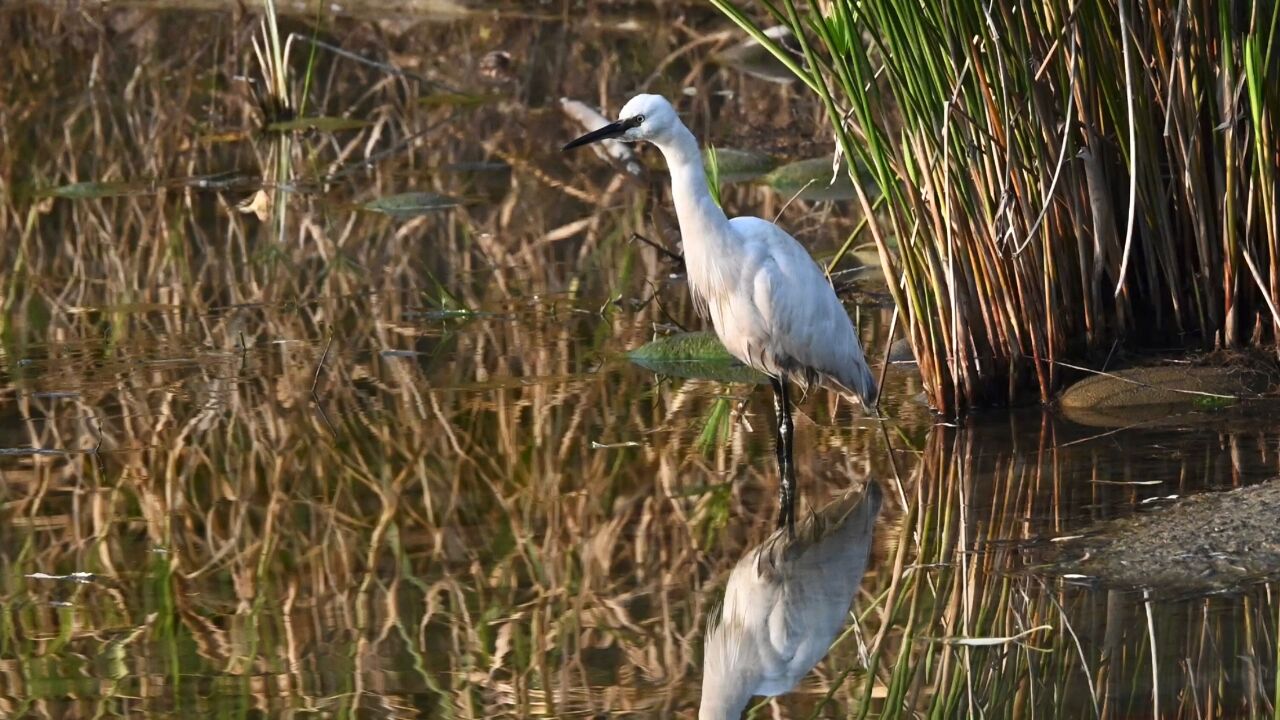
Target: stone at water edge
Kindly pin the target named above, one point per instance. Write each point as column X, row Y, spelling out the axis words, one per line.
column 1163, row 385
column 900, row 352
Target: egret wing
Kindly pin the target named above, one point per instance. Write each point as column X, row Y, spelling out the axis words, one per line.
column 810, row 334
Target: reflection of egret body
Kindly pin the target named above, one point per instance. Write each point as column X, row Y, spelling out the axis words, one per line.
column 770, row 303
column 785, row 602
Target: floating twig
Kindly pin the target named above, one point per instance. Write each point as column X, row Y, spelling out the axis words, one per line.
column 315, row 380
column 612, row 446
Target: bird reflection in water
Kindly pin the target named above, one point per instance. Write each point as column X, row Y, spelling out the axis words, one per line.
column 785, row 603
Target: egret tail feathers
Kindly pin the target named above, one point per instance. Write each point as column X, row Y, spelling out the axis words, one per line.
column 859, row 387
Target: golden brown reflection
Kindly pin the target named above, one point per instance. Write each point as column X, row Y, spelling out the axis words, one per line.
column 337, row 459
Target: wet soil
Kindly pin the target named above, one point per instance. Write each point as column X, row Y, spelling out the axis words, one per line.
column 1206, row 543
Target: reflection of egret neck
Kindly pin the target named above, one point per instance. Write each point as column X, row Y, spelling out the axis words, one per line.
column 729, row 704
column 733, row 683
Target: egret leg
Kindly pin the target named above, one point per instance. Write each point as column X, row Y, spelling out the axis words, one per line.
column 786, row 465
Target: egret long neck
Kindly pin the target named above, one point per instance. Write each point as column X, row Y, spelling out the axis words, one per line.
column 703, row 225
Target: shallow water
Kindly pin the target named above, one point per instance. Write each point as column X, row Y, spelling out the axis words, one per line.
column 333, row 462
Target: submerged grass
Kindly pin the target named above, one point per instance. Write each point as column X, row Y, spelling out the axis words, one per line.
column 1059, row 175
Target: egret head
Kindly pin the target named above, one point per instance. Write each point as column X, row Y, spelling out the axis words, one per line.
column 644, row 117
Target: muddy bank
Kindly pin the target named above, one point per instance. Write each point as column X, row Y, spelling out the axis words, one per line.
column 1206, row 543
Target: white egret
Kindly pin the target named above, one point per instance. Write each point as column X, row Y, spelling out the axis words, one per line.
column 786, row 601
column 769, row 301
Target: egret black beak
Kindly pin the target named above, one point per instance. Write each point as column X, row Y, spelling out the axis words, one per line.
column 612, row 130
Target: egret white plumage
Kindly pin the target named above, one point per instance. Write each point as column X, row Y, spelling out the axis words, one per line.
column 786, row 601
column 770, row 303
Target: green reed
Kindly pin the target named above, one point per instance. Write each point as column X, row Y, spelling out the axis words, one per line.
column 1059, row 175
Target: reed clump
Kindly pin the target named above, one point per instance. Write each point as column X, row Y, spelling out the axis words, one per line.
column 1059, row 175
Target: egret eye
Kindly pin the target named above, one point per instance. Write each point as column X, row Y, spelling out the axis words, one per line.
column 639, row 119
